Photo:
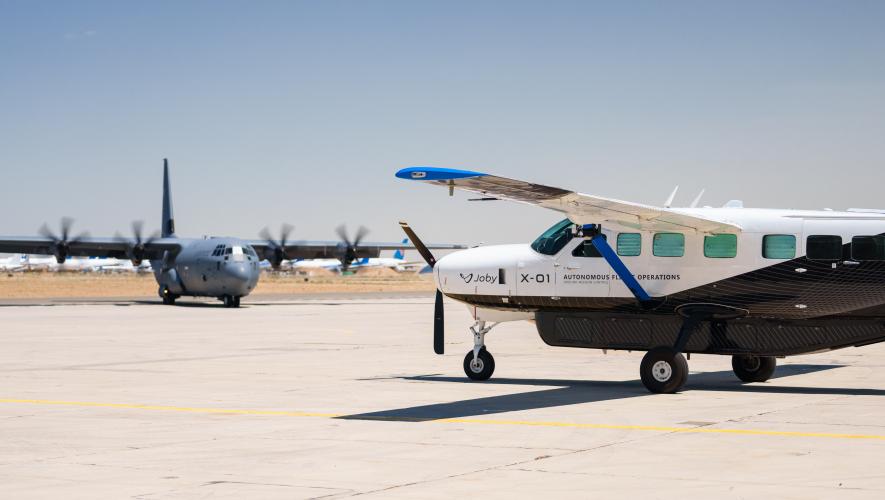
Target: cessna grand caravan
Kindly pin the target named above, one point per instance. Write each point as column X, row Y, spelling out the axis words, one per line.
column 756, row 284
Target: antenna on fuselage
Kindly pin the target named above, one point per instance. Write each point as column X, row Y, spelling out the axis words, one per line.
column 697, row 199
column 168, row 221
column 669, row 201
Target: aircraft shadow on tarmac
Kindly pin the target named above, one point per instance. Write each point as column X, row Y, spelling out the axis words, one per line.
column 572, row 392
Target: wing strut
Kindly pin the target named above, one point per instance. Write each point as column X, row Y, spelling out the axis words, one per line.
column 617, row 264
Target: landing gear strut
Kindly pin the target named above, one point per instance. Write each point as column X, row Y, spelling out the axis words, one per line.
column 479, row 363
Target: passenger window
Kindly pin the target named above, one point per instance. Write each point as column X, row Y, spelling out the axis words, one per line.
column 586, row 249
column 868, row 248
column 668, row 245
column 721, row 246
column 629, row 244
column 779, row 246
column 821, row 247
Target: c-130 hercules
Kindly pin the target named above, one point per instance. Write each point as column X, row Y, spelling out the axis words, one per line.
column 222, row 267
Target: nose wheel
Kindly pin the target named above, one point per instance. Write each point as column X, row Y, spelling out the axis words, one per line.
column 479, row 363
column 479, row 367
column 231, row 301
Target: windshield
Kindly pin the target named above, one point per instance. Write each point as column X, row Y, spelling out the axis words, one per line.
column 553, row 239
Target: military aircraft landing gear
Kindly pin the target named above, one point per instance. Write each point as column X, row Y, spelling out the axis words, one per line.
column 479, row 363
column 167, row 296
column 231, row 301
column 753, row 368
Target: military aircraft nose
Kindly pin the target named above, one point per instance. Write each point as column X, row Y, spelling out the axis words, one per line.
column 240, row 277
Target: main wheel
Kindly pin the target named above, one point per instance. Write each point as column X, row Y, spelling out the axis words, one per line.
column 482, row 368
column 663, row 370
column 753, row 368
column 168, row 297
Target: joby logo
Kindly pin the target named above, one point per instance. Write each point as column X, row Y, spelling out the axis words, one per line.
column 482, row 278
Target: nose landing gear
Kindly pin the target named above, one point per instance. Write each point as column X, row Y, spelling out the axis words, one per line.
column 230, row 301
column 479, row 363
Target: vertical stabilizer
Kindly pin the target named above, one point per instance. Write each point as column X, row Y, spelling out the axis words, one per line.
column 168, row 221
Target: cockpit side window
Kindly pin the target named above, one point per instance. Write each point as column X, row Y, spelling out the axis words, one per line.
column 586, row 249
column 553, row 239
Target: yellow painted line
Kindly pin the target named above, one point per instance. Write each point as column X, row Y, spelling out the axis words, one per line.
column 525, row 423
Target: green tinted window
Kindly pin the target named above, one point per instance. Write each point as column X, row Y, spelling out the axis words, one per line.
column 629, row 244
column 721, row 246
column 668, row 245
column 779, row 246
column 553, row 239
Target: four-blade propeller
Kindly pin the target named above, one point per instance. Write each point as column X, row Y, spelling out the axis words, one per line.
column 438, row 319
column 277, row 251
column 135, row 247
column 349, row 248
column 61, row 245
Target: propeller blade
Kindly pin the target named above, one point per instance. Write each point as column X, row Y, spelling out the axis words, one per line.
column 66, row 223
column 341, row 231
column 360, row 234
column 47, row 233
column 265, row 235
column 419, row 245
column 285, row 232
column 438, row 325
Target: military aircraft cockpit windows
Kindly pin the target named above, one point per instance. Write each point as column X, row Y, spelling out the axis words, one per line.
column 586, row 249
column 629, row 244
column 720, row 246
column 779, row 246
column 868, row 248
column 823, row 247
column 668, row 245
column 218, row 250
column 553, row 239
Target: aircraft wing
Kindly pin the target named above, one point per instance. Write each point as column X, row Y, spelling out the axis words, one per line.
column 335, row 249
column 85, row 247
column 579, row 207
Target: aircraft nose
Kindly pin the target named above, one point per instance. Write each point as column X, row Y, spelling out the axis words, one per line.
column 239, row 276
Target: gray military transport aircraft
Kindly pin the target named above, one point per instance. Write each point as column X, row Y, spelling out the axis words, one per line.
column 225, row 268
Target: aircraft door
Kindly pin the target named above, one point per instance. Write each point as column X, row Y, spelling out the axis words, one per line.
column 581, row 271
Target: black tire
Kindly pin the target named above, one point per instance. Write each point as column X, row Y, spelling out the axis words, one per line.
column 228, row 301
column 236, row 302
column 663, row 370
column 168, row 297
column 483, row 369
column 753, row 368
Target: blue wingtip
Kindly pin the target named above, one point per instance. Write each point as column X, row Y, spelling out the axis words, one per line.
column 435, row 174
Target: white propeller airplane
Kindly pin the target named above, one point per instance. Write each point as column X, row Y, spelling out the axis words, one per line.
column 755, row 284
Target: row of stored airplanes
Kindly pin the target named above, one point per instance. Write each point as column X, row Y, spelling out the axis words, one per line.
column 753, row 284
column 26, row 263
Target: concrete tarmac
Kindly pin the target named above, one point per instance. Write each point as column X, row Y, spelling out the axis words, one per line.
column 329, row 398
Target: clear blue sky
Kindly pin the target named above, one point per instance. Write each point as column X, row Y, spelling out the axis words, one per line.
column 302, row 111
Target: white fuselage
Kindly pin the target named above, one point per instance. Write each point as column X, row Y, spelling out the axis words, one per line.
column 507, row 271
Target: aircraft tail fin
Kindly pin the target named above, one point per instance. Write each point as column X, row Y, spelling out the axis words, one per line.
column 399, row 255
column 168, row 222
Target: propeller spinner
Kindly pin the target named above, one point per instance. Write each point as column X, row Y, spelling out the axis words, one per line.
column 277, row 251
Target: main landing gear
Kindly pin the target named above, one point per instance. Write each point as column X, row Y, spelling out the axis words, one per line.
column 167, row 296
column 479, row 363
column 230, row 301
column 664, row 369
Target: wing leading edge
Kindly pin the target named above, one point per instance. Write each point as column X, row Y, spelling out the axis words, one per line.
column 579, row 207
